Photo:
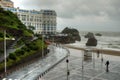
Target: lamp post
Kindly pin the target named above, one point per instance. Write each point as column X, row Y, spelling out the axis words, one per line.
column 5, row 55
column 53, row 39
column 93, row 60
column 67, row 61
column 5, row 49
column 42, row 46
column 83, row 64
column 101, row 59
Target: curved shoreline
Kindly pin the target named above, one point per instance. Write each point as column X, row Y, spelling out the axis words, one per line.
column 102, row 51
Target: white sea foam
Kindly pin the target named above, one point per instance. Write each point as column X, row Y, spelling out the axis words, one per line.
column 106, row 42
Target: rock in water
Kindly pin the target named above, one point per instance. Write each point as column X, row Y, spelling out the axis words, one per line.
column 89, row 35
column 98, row 34
column 91, row 42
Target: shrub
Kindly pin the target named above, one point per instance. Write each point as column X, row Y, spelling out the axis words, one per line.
column 19, row 52
column 12, row 56
column 25, row 48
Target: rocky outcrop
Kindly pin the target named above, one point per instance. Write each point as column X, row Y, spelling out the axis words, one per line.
column 98, row 34
column 68, row 35
column 73, row 34
column 89, row 35
column 91, row 42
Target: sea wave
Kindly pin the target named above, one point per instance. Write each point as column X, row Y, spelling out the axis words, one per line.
column 103, row 42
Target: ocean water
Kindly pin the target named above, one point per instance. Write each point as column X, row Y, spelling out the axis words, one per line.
column 107, row 40
column 110, row 34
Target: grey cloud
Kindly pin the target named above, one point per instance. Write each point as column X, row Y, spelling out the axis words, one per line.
column 69, row 10
column 72, row 8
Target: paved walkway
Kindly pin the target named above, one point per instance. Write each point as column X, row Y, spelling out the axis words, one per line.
column 92, row 70
column 32, row 71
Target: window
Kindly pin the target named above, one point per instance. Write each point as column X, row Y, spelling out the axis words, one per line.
column 31, row 18
column 27, row 17
column 23, row 17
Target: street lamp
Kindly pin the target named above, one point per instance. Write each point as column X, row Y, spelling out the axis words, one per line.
column 83, row 64
column 101, row 59
column 93, row 58
column 53, row 39
column 5, row 56
column 67, row 61
column 5, row 49
column 42, row 46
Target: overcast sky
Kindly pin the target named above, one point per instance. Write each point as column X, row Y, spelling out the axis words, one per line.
column 85, row 15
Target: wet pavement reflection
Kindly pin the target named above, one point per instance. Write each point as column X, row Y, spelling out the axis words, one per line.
column 94, row 69
column 33, row 70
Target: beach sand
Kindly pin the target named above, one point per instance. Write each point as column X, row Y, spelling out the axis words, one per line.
column 102, row 51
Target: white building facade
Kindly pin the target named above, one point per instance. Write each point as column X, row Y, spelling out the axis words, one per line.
column 6, row 3
column 49, row 21
column 43, row 21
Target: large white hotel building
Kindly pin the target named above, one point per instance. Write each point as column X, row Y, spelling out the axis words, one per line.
column 43, row 21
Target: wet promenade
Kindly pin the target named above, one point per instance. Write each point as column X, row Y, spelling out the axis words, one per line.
column 32, row 71
column 95, row 69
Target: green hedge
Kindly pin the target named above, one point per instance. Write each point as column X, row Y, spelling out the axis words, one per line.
column 28, row 50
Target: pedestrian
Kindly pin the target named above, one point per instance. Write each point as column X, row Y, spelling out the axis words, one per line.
column 107, row 66
column 102, row 60
column 98, row 52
